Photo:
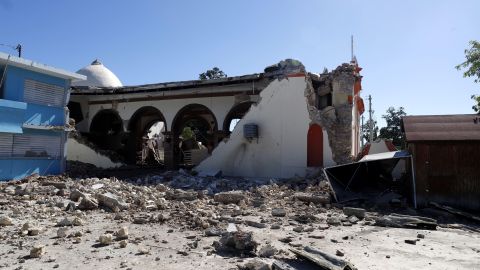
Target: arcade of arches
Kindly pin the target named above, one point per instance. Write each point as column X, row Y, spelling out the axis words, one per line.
column 146, row 139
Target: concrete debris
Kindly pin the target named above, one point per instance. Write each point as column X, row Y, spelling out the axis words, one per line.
column 37, row 251
column 122, row 233
column 214, row 231
column 279, row 212
column 411, row 242
column 181, row 195
column 351, row 211
column 105, row 239
column 267, row 251
column 62, row 232
column 255, row 265
column 87, row 203
column 5, row 221
column 405, row 221
column 229, row 197
column 237, row 242
column 112, row 202
column 313, row 198
column 181, row 215
column 123, row 244
column 323, row 260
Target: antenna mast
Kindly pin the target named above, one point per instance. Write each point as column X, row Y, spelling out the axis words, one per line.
column 370, row 120
column 351, row 47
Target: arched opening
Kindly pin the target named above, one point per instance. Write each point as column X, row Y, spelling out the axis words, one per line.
column 235, row 114
column 146, row 139
column 194, row 133
column 106, row 130
column 315, row 146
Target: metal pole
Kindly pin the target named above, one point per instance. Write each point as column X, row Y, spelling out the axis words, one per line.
column 370, row 123
column 361, row 136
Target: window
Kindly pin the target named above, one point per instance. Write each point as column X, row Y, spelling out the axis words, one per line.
column 44, row 94
column 324, row 101
column 37, row 146
column 6, row 143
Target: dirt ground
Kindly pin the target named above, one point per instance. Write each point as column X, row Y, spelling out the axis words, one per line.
column 171, row 227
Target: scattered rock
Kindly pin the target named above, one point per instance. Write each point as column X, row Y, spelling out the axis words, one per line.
column 339, row 253
column 123, row 244
column 298, row 229
column 267, row 251
column 212, row 231
column 411, row 242
column 239, row 241
column 351, row 211
column 420, row 236
column 255, row 224
column 87, row 203
column 255, row 265
column 5, row 221
column 62, row 232
column 279, row 212
column 37, row 251
column 181, row 195
column 122, row 233
column 229, row 197
column 312, row 198
column 334, row 221
column 111, row 201
column 105, row 239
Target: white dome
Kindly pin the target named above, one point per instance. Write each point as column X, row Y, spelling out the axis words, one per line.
column 98, row 75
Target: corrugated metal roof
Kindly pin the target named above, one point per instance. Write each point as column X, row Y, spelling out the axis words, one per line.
column 460, row 127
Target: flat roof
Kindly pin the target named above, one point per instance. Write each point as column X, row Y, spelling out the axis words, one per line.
column 166, row 86
column 458, row 127
column 12, row 60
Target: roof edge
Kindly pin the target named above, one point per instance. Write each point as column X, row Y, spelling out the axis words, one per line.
column 38, row 67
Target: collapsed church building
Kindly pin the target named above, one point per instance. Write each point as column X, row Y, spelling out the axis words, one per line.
column 279, row 123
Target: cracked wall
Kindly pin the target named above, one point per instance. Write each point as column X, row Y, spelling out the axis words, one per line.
column 330, row 104
column 283, row 122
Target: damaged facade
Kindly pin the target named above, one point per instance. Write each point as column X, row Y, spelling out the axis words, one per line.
column 33, row 117
column 302, row 119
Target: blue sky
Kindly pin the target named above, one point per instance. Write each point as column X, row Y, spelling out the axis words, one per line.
column 408, row 49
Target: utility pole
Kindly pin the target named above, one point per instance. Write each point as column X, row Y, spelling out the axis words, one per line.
column 370, row 120
column 17, row 48
column 361, row 136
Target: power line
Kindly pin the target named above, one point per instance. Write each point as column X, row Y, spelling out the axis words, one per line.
column 17, row 48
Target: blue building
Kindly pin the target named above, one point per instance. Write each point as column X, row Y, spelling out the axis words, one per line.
column 33, row 117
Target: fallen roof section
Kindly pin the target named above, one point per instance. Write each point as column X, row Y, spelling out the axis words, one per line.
column 461, row 127
column 366, row 179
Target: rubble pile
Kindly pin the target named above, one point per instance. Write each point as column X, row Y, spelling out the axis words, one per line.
column 213, row 215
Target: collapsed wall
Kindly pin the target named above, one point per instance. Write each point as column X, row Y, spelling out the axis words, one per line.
column 330, row 105
column 283, row 121
column 80, row 149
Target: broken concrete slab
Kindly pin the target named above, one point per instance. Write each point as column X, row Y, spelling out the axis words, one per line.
column 312, row 198
column 238, row 242
column 111, row 201
column 323, row 259
column 352, row 211
column 229, row 197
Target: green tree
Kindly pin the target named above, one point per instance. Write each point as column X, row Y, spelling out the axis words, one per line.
column 392, row 131
column 214, row 73
column 472, row 66
column 366, row 131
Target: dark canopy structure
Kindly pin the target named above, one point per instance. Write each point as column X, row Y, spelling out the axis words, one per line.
column 370, row 177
